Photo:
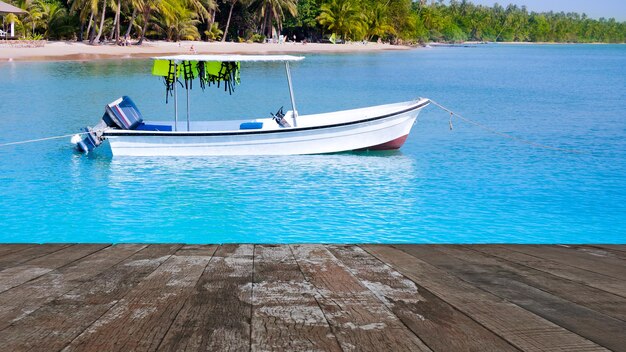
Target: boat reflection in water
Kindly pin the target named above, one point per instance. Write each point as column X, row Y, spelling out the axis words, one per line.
column 315, row 198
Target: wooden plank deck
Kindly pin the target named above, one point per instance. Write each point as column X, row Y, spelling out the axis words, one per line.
column 312, row 298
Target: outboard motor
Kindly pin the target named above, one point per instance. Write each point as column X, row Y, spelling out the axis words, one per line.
column 92, row 138
column 120, row 114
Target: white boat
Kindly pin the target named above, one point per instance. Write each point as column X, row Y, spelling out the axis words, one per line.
column 375, row 128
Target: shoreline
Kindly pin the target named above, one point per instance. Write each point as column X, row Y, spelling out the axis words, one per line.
column 81, row 51
column 77, row 51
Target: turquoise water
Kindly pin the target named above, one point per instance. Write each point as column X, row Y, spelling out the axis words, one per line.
column 459, row 186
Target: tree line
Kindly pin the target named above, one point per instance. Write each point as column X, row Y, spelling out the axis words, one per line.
column 395, row 21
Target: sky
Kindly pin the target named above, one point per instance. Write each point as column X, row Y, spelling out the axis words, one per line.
column 593, row 8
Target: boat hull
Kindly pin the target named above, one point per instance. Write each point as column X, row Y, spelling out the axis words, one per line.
column 363, row 129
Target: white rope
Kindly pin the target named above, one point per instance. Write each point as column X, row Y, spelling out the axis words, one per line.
column 41, row 139
column 489, row 129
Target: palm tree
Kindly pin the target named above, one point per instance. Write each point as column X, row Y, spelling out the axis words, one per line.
column 206, row 9
column 12, row 18
column 102, row 16
column 273, row 10
column 145, row 6
column 85, row 9
column 51, row 14
column 342, row 17
column 199, row 7
column 230, row 14
column 214, row 32
column 34, row 18
column 378, row 22
column 116, row 22
column 136, row 6
column 176, row 21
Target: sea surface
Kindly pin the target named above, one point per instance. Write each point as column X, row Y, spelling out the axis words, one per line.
column 464, row 185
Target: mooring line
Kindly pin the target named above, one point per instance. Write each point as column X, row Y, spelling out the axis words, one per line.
column 491, row 130
column 41, row 139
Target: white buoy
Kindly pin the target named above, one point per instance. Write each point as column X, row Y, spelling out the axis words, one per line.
column 76, row 139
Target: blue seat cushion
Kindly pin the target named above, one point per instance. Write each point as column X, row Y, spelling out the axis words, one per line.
column 251, row 126
column 147, row 127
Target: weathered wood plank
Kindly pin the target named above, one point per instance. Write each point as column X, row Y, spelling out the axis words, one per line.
column 7, row 248
column 69, row 295
column 80, row 262
column 57, row 323
column 519, row 327
column 16, row 275
column 616, row 248
column 15, row 258
column 438, row 324
column 358, row 318
column 216, row 317
column 602, row 282
column 285, row 314
column 573, row 291
column 140, row 320
column 507, row 284
column 613, row 267
column 601, row 250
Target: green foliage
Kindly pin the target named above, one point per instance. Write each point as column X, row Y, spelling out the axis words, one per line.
column 462, row 20
column 389, row 20
column 344, row 18
column 257, row 38
column 378, row 22
column 33, row 37
column 270, row 13
column 305, row 23
column 214, row 33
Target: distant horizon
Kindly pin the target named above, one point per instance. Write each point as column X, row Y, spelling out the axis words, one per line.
column 596, row 9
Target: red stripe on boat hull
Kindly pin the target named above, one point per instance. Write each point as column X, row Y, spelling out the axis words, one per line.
column 393, row 144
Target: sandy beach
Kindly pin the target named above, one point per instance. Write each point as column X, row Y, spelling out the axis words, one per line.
column 56, row 51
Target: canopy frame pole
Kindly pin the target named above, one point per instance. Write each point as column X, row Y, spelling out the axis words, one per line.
column 175, row 97
column 187, row 88
column 293, row 101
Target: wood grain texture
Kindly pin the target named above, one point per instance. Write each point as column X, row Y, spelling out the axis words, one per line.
column 57, row 323
column 286, row 314
column 216, row 315
column 507, row 284
column 601, row 251
column 14, row 258
column 5, row 249
column 77, row 263
column 438, row 324
column 603, row 265
column 573, row 291
column 519, row 327
column 140, row 320
column 311, row 297
column 618, row 249
column 599, row 281
column 40, row 265
column 358, row 318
